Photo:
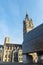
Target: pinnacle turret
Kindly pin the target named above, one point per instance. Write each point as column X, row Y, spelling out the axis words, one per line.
column 27, row 25
column 27, row 17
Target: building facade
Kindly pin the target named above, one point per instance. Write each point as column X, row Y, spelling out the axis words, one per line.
column 11, row 51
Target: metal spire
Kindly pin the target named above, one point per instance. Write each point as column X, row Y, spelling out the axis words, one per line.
column 27, row 15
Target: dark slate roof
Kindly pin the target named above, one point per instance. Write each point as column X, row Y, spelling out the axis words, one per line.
column 33, row 40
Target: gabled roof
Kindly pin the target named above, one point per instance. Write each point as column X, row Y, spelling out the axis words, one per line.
column 33, row 40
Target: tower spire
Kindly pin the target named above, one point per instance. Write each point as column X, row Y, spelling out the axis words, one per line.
column 26, row 13
column 27, row 17
column 27, row 25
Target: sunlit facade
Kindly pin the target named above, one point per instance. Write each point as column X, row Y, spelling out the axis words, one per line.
column 10, row 51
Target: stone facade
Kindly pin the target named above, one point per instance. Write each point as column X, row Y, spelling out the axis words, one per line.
column 10, row 51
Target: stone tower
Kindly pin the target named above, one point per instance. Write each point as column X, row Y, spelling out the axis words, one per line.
column 27, row 25
column 7, row 40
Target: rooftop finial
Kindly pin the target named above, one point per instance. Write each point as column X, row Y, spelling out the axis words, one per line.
column 27, row 15
column 26, row 12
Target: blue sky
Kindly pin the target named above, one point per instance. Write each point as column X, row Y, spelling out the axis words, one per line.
column 12, row 14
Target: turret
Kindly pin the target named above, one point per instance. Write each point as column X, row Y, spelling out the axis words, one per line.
column 7, row 40
column 27, row 25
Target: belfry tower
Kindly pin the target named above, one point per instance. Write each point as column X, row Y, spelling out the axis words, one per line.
column 7, row 40
column 27, row 25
